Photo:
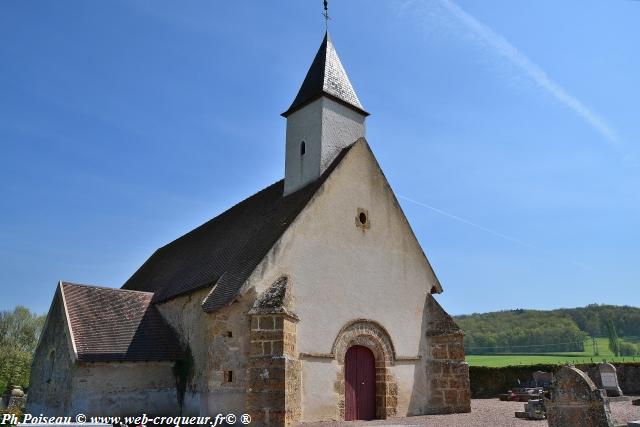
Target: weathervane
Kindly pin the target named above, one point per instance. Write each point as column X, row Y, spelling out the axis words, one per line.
column 326, row 14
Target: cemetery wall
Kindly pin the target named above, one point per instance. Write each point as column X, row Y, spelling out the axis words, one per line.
column 489, row 382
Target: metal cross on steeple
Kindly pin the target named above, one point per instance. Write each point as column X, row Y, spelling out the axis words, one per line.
column 326, row 14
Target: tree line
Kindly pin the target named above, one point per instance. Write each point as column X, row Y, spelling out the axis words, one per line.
column 594, row 319
column 554, row 331
column 20, row 330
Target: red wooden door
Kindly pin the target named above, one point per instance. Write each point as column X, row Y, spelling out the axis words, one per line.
column 360, row 384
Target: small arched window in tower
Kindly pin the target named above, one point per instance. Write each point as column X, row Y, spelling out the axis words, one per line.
column 303, row 148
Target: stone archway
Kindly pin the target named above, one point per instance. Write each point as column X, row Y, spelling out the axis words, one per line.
column 372, row 335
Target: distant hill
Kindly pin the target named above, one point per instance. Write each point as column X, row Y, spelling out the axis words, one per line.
column 551, row 331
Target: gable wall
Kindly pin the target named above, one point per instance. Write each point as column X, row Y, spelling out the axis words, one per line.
column 50, row 382
column 340, row 272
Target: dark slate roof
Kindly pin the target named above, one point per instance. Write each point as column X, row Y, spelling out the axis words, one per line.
column 117, row 325
column 326, row 77
column 223, row 252
column 440, row 323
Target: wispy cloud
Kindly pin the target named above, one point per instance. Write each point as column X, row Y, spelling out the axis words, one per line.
column 486, row 229
column 466, row 221
column 501, row 46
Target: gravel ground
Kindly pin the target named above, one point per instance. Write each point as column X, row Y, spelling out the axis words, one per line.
column 484, row 412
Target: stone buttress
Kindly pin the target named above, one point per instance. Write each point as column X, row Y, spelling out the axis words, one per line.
column 273, row 371
column 447, row 371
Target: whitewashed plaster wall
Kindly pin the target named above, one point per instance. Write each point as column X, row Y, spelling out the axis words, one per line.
column 326, row 127
column 341, row 272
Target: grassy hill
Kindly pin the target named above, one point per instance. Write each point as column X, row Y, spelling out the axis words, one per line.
column 587, row 356
column 522, row 337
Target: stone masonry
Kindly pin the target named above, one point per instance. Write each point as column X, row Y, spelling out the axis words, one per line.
column 448, row 376
column 273, row 371
column 447, row 372
column 368, row 334
column 273, row 394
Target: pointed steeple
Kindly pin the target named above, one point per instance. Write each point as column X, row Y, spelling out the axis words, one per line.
column 326, row 77
column 325, row 117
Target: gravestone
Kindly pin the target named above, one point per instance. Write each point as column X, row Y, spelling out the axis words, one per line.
column 609, row 377
column 533, row 410
column 576, row 401
column 13, row 397
column 542, row 379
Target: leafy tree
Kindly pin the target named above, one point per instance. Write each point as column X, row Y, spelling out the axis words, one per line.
column 614, row 341
column 19, row 333
column 520, row 331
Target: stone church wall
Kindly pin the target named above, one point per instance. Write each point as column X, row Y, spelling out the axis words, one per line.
column 52, row 367
column 220, row 346
column 124, row 388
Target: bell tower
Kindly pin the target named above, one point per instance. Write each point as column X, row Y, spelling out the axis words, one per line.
column 325, row 117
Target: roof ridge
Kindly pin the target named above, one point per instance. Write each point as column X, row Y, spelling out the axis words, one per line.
column 84, row 285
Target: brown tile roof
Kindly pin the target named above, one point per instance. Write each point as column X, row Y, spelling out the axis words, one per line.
column 223, row 252
column 117, row 325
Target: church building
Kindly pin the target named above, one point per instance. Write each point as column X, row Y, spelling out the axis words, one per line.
column 311, row 300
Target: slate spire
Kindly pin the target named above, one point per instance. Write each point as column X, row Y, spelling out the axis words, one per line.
column 326, row 77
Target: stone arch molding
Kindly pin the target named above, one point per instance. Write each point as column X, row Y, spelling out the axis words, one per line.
column 367, row 333
column 375, row 337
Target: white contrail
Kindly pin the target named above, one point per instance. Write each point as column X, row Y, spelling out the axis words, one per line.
column 473, row 224
column 502, row 46
column 483, row 228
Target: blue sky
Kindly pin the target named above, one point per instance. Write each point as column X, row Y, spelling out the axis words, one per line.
column 509, row 131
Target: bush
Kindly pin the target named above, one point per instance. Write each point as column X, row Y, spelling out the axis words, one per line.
column 627, row 349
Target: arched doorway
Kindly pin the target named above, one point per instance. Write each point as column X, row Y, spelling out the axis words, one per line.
column 360, row 384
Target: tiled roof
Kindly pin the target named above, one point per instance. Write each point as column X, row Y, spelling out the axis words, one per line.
column 223, row 252
column 117, row 325
column 326, row 77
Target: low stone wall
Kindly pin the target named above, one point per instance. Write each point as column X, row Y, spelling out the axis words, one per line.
column 489, row 382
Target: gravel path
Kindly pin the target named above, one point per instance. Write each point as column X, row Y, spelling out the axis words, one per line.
column 484, row 412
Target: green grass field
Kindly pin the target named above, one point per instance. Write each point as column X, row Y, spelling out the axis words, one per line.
column 587, row 356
